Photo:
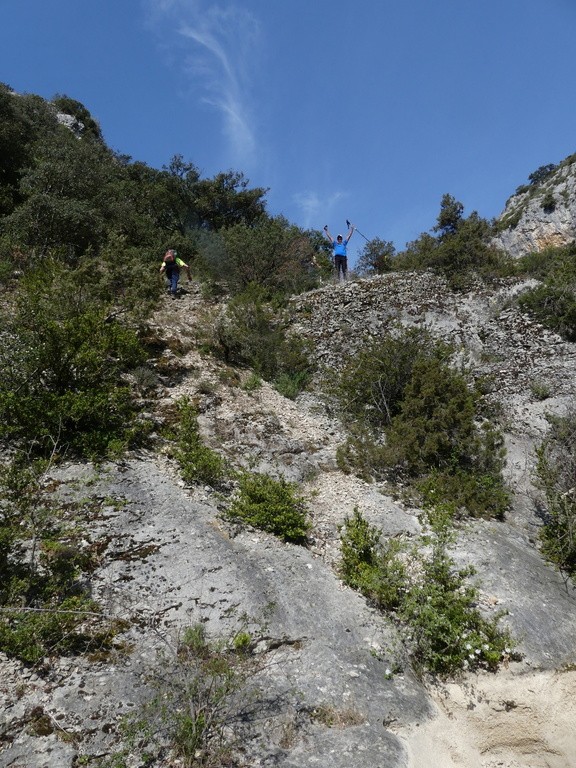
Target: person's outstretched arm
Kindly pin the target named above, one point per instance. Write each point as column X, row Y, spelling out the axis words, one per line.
column 328, row 235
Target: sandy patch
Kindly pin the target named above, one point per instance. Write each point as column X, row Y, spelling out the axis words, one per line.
column 500, row 721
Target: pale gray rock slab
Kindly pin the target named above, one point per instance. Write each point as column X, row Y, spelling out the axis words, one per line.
column 539, row 601
column 332, row 650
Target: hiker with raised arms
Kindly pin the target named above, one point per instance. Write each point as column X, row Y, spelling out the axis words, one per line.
column 339, row 251
column 171, row 266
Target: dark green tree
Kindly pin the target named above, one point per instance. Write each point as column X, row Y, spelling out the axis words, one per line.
column 227, row 200
column 541, row 174
column 460, row 248
column 61, row 366
column 376, row 258
column 372, row 383
column 412, row 416
column 270, row 253
column 450, row 216
column 435, row 424
column 61, row 194
column 15, row 133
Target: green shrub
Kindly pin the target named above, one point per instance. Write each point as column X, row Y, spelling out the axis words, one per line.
column 252, row 382
column 201, row 704
column 448, row 632
column 548, row 202
column 253, row 334
column 61, row 369
column 290, row 385
column 46, row 608
column 478, row 494
column 553, row 303
column 554, row 306
column 56, row 629
column 415, row 418
column 272, row 505
column 547, row 263
column 556, row 470
column 358, row 543
column 375, row 571
column 198, row 463
column 361, row 454
column 540, row 390
column 432, row 601
column 371, row 386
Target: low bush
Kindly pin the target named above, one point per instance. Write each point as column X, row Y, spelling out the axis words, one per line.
column 362, row 455
column 253, row 334
column 366, row 566
column 553, row 303
column 548, row 202
column 478, row 493
column 62, row 363
column 556, row 470
column 433, row 602
column 291, row 384
column 554, row 306
column 412, row 417
column 200, row 706
column 45, row 604
column 252, row 382
column 198, row 463
column 540, row 390
column 272, row 505
column 57, row 628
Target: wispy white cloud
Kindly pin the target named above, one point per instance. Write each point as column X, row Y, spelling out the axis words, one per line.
column 221, row 43
column 314, row 207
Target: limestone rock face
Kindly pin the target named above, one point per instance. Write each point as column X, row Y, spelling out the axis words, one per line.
column 333, row 687
column 71, row 123
column 541, row 216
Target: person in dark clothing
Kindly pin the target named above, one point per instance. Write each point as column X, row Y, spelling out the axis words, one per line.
column 171, row 266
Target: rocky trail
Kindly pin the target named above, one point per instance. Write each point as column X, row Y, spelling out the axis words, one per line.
column 330, row 690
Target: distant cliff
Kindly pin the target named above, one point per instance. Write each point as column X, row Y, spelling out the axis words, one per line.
column 541, row 214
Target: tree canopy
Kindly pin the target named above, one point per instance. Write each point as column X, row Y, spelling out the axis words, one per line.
column 458, row 247
column 82, row 231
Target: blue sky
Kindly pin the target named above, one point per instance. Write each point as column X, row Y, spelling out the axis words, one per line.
column 368, row 110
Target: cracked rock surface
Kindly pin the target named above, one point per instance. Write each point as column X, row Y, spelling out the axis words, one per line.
column 168, row 561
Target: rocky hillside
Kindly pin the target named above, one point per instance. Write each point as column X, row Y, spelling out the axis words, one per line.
column 331, row 686
column 542, row 214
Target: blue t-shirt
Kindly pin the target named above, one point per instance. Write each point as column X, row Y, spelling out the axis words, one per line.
column 340, row 248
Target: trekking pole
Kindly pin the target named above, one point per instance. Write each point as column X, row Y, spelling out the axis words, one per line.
column 356, row 230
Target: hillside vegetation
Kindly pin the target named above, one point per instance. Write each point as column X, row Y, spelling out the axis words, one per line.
column 98, row 368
